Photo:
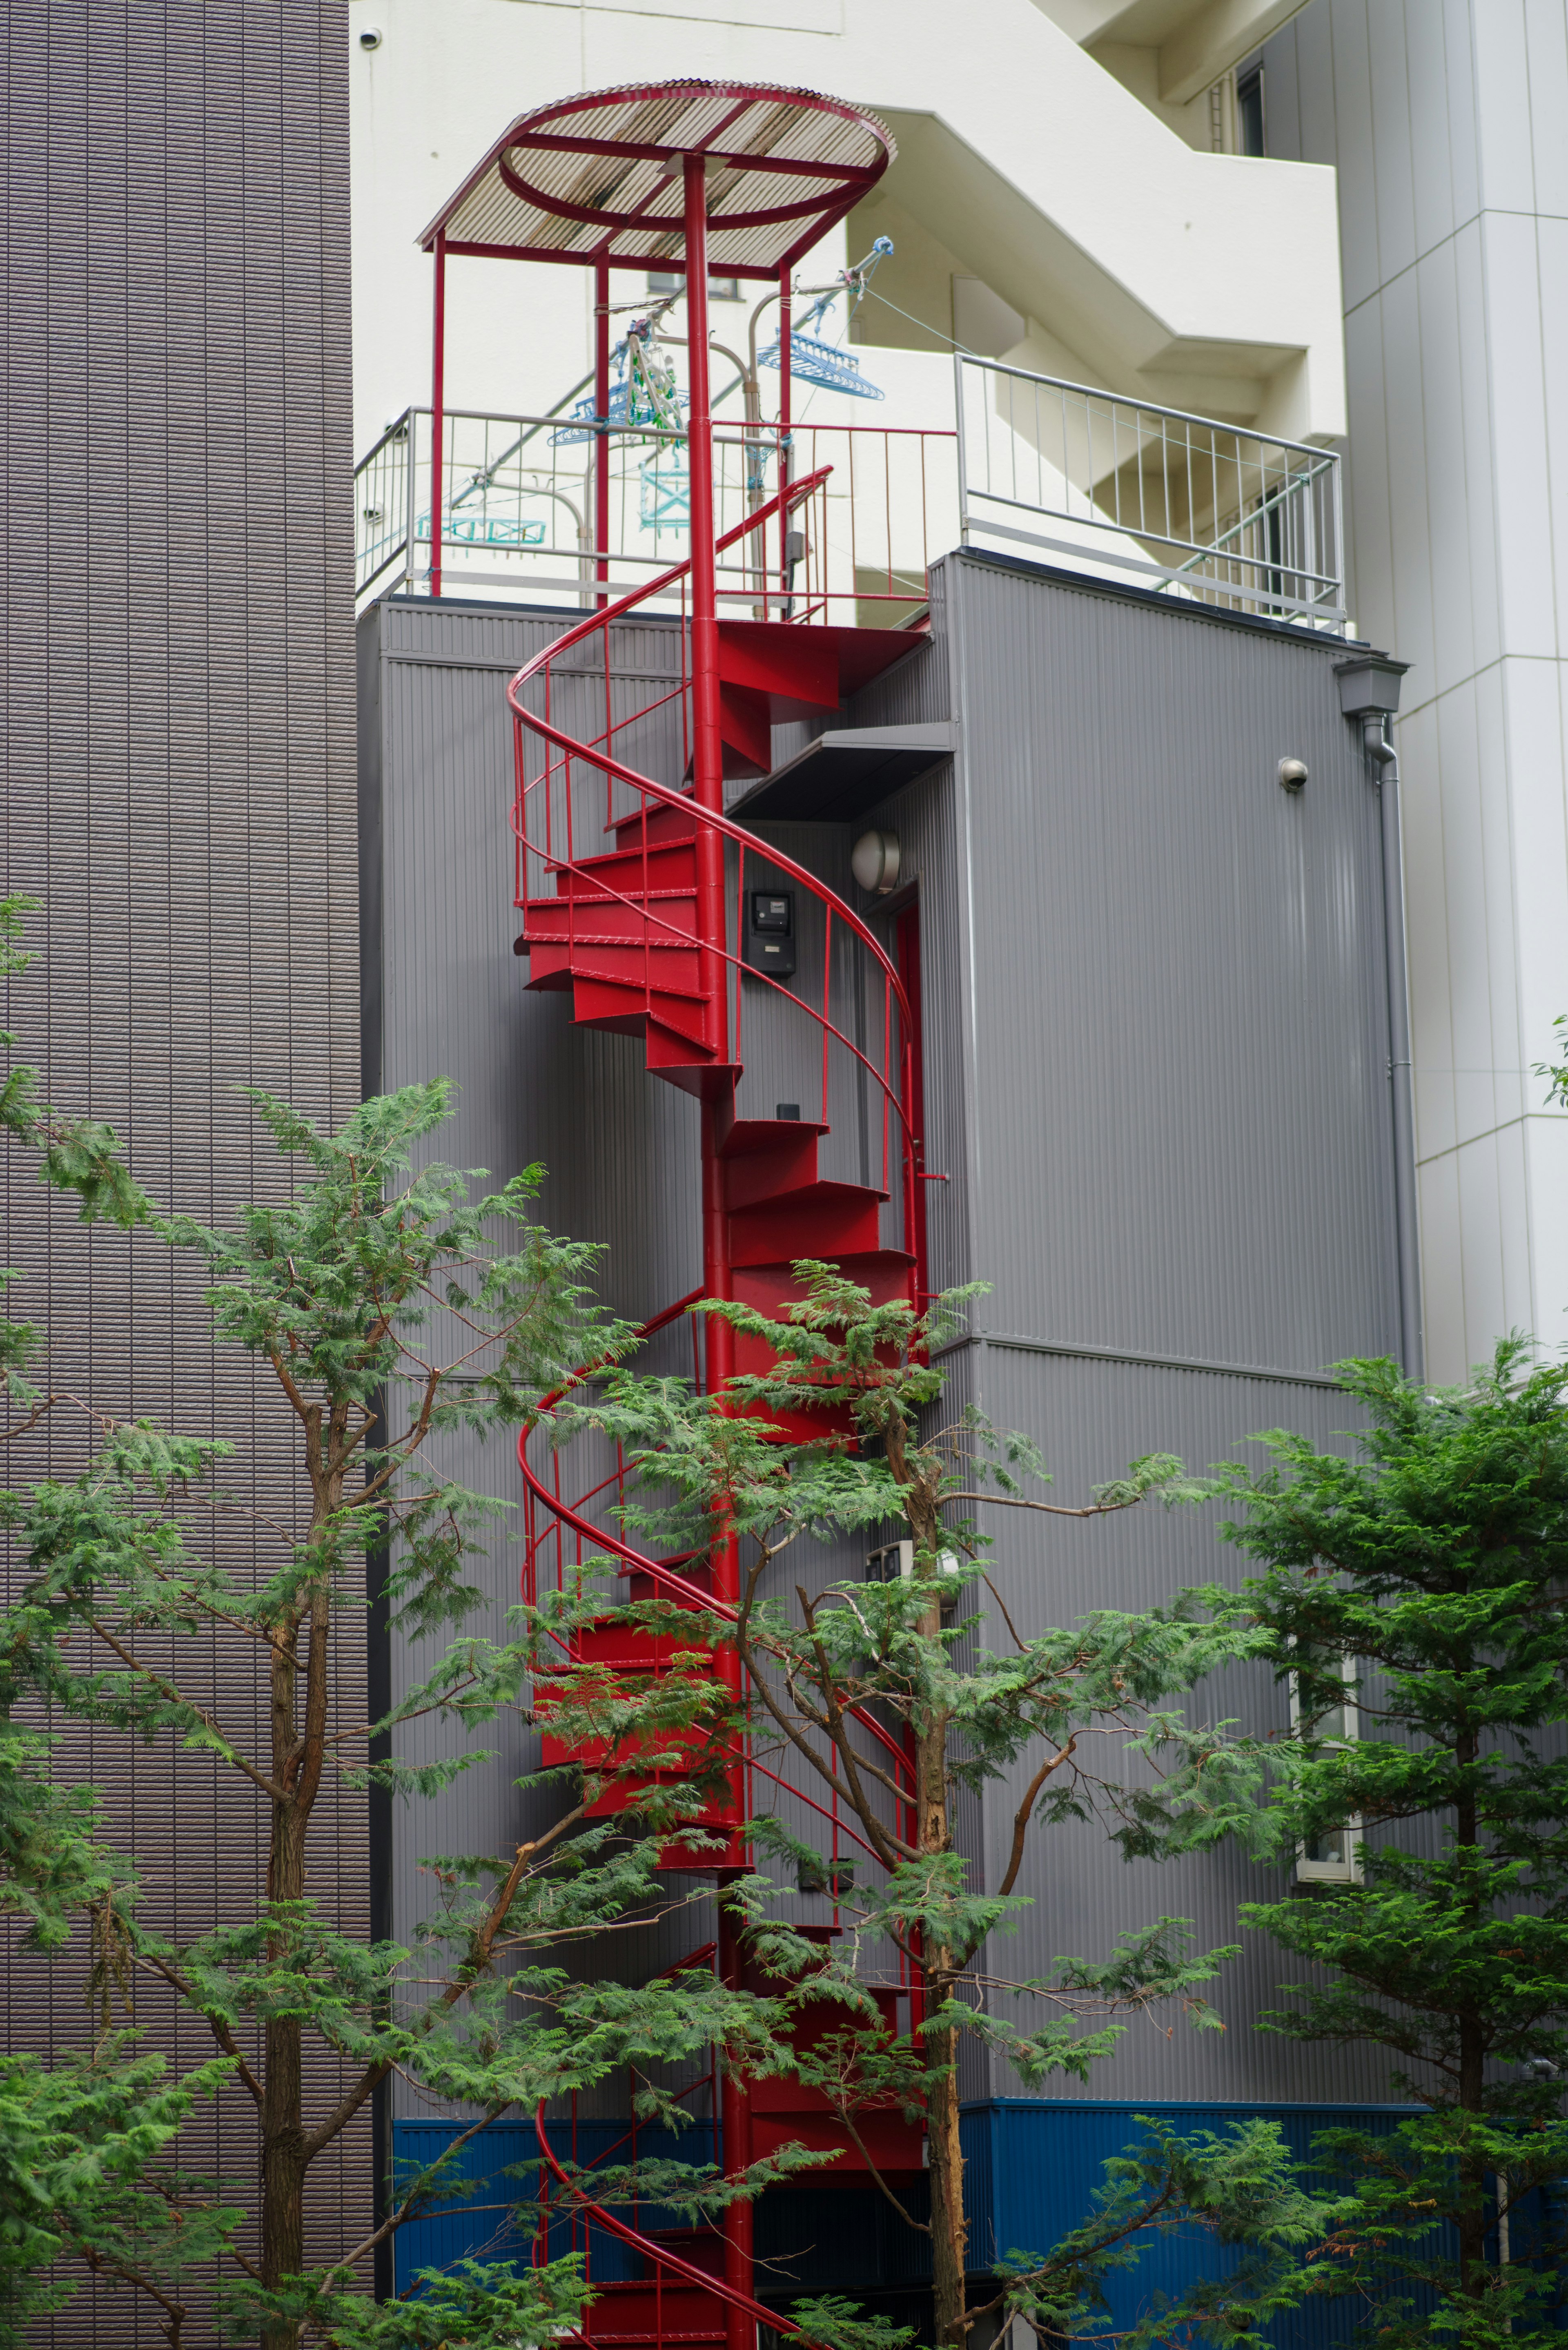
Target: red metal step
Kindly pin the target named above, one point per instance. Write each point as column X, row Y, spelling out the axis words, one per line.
column 641, row 2314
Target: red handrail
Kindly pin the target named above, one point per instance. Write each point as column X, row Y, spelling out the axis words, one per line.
column 614, row 770
column 651, row 2250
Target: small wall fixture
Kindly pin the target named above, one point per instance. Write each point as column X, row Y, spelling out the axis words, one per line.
column 371, row 38
column 1369, row 686
column 874, row 861
column 1292, row 774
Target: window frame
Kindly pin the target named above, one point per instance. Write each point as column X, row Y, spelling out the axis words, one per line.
column 1347, row 1871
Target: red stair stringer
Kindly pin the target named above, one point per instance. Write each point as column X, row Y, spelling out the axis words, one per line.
column 639, row 2312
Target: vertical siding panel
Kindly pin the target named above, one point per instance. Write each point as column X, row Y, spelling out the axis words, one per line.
column 180, row 749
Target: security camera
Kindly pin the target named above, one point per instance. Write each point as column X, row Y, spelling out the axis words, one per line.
column 371, row 38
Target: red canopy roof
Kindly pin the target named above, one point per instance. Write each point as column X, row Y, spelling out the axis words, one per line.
column 598, row 177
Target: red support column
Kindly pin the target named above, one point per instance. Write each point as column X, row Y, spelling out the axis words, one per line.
column 602, row 444
column 438, row 411
column 708, row 790
column 783, row 463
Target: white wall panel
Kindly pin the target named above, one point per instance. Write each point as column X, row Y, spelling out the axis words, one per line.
column 1410, row 538
column 1551, row 245
column 1457, row 485
column 1282, row 99
column 1521, row 1295
column 1546, row 1175
column 1502, row 106
column 1532, row 705
column 1519, row 440
column 1467, row 938
column 1354, row 151
column 1427, row 929
column 1454, row 37
column 1482, row 1211
column 1488, row 757
column 1444, row 490
column 1368, row 521
column 1470, row 278
column 1442, row 1302
column 1391, row 164
column 1546, row 46
column 1431, row 169
column 1313, row 37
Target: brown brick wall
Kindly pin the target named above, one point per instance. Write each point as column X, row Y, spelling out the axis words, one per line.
column 179, row 747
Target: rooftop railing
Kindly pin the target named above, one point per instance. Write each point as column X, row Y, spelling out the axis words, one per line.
column 1150, row 497
column 517, row 506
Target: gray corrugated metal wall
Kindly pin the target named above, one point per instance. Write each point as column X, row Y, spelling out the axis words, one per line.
column 1153, row 1010
column 1182, row 1142
column 445, row 995
column 179, row 738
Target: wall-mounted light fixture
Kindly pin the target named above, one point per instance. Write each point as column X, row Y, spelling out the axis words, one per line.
column 874, row 861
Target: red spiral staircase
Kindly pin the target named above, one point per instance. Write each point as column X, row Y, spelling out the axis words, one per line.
column 634, row 931
column 632, row 889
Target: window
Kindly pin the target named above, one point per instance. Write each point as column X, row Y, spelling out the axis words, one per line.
column 673, row 281
column 1331, row 1857
column 1250, row 129
column 896, row 1560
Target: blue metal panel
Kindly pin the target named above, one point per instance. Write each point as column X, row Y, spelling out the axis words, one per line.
column 1031, row 2167
column 499, row 2168
column 1045, row 2160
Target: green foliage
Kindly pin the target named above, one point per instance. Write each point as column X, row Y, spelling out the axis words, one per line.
column 852, row 1675
column 392, row 1301
column 1431, row 1570
column 1235, row 2189
column 76, row 1154
column 481, row 2304
column 81, row 2143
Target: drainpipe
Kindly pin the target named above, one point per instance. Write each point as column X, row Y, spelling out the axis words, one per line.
column 1369, row 693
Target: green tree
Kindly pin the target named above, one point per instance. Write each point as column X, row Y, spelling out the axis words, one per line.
column 1428, row 1575
column 390, row 1306
column 837, row 1675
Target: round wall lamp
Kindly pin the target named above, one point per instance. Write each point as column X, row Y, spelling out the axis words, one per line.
column 874, row 861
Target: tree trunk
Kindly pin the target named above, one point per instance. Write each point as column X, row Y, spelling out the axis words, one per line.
column 282, row 2117
column 1473, row 2279
column 944, row 2154
column 297, row 1764
column 946, row 2158
column 934, row 1835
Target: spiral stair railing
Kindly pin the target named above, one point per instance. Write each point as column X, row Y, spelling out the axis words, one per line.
column 596, row 752
column 626, row 924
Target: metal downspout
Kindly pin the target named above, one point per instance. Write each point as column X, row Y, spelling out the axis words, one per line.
column 1386, row 761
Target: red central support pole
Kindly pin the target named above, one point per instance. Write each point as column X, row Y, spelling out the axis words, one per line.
column 708, row 790
column 785, row 323
column 602, row 444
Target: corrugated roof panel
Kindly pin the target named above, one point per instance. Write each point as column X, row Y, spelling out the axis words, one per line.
column 581, row 156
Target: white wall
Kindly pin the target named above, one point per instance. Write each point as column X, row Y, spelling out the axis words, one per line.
column 1165, row 268
column 1449, row 123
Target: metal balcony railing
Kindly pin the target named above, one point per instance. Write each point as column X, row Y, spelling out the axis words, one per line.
column 1150, row 496
column 517, row 504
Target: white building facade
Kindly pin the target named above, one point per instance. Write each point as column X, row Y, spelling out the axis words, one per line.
column 1446, row 122
column 1068, row 198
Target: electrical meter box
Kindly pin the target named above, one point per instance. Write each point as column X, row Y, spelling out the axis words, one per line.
column 770, row 932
